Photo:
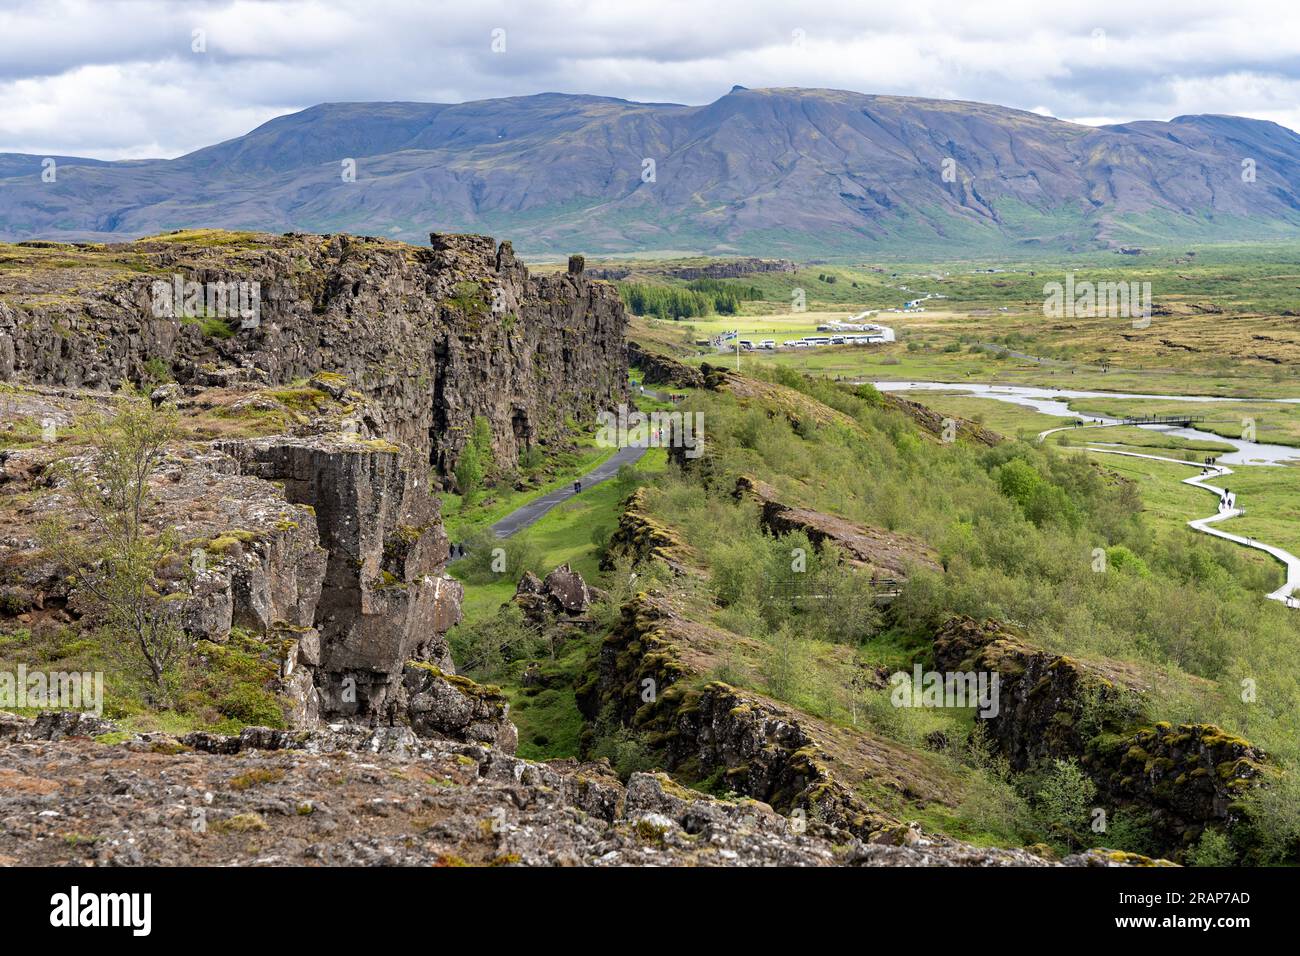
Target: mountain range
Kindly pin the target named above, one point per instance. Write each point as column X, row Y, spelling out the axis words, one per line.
column 796, row 172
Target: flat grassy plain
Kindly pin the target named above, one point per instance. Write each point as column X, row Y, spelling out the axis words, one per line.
column 1225, row 321
column 1275, row 423
column 1271, row 497
column 1271, row 494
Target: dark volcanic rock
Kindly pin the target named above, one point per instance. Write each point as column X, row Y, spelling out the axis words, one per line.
column 444, row 705
column 430, row 338
column 567, row 589
column 326, row 542
column 660, row 369
column 754, row 745
column 356, row 796
column 563, row 597
column 884, row 553
column 1182, row 777
column 384, row 600
column 641, row 538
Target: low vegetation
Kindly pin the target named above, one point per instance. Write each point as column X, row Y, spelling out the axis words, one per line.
column 1019, row 529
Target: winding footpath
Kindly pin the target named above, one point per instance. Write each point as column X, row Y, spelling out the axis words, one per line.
column 529, row 513
column 1286, row 593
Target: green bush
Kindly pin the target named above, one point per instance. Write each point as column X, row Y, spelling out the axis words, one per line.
column 1065, row 798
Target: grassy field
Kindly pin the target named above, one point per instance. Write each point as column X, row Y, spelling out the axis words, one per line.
column 772, row 325
column 1275, row 423
column 1271, row 497
column 949, row 359
column 1271, row 494
column 1246, row 278
column 1144, row 440
column 1223, row 321
column 1016, row 421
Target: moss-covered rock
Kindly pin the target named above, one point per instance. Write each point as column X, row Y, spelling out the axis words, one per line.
column 1181, row 777
column 712, row 731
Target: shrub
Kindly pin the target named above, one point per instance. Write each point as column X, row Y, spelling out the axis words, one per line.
column 1064, row 799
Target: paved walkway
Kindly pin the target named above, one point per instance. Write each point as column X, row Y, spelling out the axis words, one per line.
column 1287, row 592
column 655, row 393
column 528, row 514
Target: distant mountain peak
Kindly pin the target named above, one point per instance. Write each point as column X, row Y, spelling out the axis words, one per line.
column 777, row 171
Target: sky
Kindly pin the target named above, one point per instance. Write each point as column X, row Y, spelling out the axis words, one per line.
column 140, row 78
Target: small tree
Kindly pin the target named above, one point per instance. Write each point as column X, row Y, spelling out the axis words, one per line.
column 1213, row 849
column 469, row 475
column 115, row 559
column 474, row 458
column 1064, row 800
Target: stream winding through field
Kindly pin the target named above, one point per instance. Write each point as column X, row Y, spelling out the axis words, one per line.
column 1056, row 402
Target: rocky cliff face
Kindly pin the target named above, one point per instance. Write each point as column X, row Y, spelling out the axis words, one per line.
column 881, row 553
column 660, row 369
column 369, row 361
column 639, row 537
column 430, row 337
column 1183, row 777
column 384, row 599
column 651, row 676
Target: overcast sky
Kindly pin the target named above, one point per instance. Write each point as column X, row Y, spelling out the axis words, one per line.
column 118, row 80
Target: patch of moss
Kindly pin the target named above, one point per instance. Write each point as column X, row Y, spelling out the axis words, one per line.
column 256, row 777
column 228, row 539
column 114, row 737
column 241, row 823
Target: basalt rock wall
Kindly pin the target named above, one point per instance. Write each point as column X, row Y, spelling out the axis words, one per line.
column 429, row 337
column 1180, row 778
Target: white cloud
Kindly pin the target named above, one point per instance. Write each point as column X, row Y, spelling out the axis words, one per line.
column 119, row 80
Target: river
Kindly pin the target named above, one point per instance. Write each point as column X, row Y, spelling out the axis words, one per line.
column 1055, row 401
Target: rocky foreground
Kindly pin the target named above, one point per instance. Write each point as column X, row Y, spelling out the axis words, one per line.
column 74, row 792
